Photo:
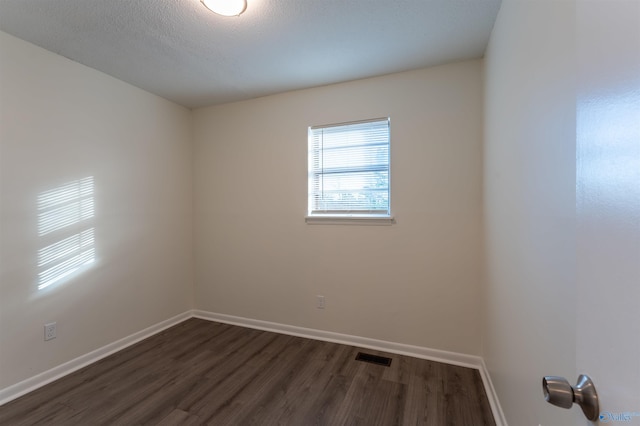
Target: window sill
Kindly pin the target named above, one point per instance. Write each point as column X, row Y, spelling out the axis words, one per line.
column 350, row 220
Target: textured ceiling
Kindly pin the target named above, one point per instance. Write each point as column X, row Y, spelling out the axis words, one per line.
column 181, row 51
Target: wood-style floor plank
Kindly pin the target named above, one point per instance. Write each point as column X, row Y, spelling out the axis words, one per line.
column 200, row 372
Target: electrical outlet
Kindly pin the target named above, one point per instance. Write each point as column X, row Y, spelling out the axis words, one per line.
column 320, row 302
column 50, row 331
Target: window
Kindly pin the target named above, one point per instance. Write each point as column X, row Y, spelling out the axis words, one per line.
column 349, row 171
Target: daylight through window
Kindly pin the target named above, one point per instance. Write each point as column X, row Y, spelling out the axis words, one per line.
column 65, row 215
column 349, row 170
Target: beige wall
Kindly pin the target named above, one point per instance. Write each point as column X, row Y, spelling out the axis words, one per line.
column 415, row 282
column 530, row 169
column 59, row 122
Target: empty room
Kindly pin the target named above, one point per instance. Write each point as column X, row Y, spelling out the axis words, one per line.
column 297, row 212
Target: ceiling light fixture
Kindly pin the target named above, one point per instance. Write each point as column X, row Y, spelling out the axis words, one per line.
column 226, row 7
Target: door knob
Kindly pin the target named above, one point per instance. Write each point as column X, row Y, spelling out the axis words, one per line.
column 559, row 392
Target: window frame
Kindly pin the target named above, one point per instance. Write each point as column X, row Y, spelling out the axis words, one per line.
column 358, row 217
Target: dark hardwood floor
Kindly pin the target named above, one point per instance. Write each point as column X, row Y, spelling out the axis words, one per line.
column 201, row 372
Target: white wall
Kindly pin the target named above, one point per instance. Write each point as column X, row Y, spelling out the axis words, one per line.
column 530, row 328
column 59, row 122
column 415, row 282
column 608, row 202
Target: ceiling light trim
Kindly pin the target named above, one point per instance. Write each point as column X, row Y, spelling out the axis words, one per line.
column 226, row 7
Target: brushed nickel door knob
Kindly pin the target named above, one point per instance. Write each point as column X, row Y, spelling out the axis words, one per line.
column 559, row 392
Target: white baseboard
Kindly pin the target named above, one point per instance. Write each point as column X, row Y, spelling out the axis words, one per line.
column 17, row 390
column 496, row 408
column 454, row 358
column 463, row 360
column 471, row 361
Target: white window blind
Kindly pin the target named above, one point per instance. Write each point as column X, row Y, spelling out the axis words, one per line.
column 349, row 169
